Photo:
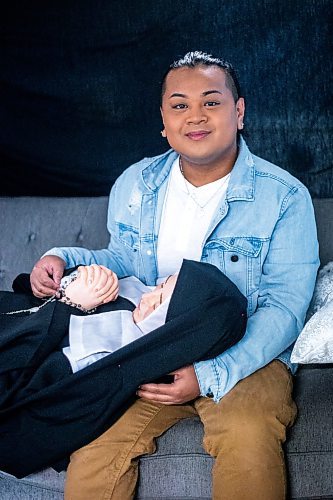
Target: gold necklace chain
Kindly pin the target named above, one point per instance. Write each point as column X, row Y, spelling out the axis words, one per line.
column 192, row 194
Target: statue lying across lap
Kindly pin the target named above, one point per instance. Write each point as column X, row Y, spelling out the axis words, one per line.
column 67, row 375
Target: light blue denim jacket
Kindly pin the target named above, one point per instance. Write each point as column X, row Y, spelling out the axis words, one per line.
column 262, row 236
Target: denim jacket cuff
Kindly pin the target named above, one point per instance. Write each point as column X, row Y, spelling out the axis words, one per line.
column 58, row 253
column 208, row 379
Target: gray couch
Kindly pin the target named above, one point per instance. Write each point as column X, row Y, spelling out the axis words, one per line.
column 180, row 468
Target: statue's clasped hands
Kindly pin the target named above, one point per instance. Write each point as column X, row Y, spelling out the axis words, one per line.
column 95, row 285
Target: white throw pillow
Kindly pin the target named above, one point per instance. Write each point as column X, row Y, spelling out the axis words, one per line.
column 315, row 342
column 323, row 292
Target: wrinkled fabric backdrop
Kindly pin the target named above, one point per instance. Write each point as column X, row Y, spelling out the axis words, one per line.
column 80, row 85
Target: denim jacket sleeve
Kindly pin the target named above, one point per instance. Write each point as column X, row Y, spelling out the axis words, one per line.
column 111, row 257
column 285, row 290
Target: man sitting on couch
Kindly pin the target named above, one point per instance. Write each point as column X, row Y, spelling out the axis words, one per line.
column 207, row 199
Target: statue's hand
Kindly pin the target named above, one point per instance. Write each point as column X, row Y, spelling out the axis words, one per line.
column 94, row 286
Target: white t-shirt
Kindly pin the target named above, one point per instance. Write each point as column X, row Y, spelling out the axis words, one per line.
column 186, row 215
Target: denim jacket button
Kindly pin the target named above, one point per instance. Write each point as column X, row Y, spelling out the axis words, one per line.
column 234, row 258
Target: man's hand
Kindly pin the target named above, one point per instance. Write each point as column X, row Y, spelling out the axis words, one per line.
column 184, row 388
column 46, row 276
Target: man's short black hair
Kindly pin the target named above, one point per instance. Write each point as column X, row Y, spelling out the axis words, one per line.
column 198, row 58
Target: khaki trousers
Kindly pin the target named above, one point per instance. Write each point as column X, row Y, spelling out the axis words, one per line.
column 244, row 432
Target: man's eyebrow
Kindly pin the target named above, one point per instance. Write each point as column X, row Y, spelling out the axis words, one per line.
column 207, row 92
column 211, row 92
column 177, row 94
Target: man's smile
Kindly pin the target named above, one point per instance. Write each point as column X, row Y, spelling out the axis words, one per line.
column 197, row 134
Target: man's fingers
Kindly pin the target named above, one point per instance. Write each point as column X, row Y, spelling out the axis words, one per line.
column 184, row 388
column 57, row 279
column 37, row 293
column 156, row 398
column 41, row 291
column 57, row 275
column 157, row 388
column 41, row 283
column 45, row 279
column 46, row 275
column 159, row 393
column 164, row 390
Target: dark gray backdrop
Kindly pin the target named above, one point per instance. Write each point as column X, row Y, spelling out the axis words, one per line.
column 80, row 81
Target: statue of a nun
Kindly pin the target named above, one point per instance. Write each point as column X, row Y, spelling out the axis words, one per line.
column 66, row 375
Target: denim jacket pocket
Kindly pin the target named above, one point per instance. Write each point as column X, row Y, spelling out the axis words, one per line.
column 128, row 235
column 247, row 246
column 241, row 260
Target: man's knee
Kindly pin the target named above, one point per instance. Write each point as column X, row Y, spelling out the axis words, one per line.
column 255, row 427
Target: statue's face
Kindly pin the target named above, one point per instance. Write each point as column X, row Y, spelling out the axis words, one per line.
column 151, row 300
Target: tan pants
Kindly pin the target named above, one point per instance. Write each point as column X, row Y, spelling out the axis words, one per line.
column 243, row 432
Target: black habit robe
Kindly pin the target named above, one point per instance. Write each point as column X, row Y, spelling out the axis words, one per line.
column 47, row 412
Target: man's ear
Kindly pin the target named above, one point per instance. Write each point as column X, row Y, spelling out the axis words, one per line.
column 163, row 132
column 240, row 108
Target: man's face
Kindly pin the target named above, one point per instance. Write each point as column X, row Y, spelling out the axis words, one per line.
column 200, row 115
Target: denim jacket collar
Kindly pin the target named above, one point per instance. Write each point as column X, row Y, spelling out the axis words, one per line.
column 158, row 170
column 242, row 178
column 241, row 184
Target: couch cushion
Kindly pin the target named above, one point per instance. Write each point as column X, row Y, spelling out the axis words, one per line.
column 180, row 462
column 310, row 444
column 46, row 485
column 30, row 226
